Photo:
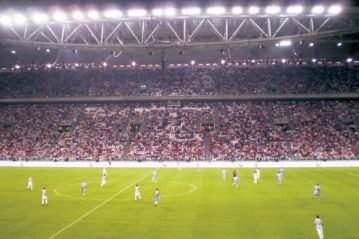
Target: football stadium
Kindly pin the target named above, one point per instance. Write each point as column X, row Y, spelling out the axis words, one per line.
column 173, row 119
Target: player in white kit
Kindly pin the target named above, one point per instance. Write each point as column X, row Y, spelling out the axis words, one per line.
column 154, row 177
column 319, row 226
column 316, row 192
column 29, row 183
column 104, row 171
column 103, row 180
column 157, row 197
column 258, row 173
column 137, row 192
column 224, row 174
column 44, row 197
column 255, row 177
column 279, row 177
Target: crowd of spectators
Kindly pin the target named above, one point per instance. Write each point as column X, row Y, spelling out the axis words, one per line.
column 242, row 131
column 180, row 81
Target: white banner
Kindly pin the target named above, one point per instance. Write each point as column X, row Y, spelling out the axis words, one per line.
column 192, row 164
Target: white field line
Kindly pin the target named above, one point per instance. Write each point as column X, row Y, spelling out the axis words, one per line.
column 98, row 206
column 194, row 188
column 354, row 174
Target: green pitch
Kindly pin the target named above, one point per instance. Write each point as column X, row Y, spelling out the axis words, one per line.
column 192, row 205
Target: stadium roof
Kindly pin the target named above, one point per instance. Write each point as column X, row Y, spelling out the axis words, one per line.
column 120, row 36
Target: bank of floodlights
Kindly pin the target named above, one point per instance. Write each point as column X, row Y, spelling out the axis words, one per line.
column 297, row 9
column 273, row 10
column 60, row 16
column 113, row 13
column 137, row 13
column 191, row 11
column 216, row 10
column 9, row 18
column 237, row 10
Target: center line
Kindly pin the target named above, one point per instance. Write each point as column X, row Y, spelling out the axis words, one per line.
column 98, row 206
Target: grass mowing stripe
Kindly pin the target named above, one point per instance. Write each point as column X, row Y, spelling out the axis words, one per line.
column 98, row 206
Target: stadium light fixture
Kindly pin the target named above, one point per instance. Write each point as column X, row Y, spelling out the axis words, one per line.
column 284, row 43
column 191, row 11
column 19, row 19
column 253, row 61
column 13, row 52
column 284, row 60
column 223, row 61
column 349, row 60
column 49, row 66
column 48, row 50
column 133, row 63
column 237, row 10
column 5, row 20
column 169, row 12
column 311, row 44
column 93, row 14
column 314, row 60
column 60, row 16
column 253, row 10
column 113, row 13
column 335, row 9
column 295, row 9
column 157, row 12
column 104, row 64
column 193, row 62
column 40, row 17
column 78, row 15
column 137, row 13
column 77, row 65
column 17, row 67
column 339, row 44
column 318, row 9
column 216, row 10
column 273, row 10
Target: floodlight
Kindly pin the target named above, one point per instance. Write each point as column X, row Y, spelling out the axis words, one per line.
column 48, row 65
column 113, row 13
column 170, row 12
column 191, row 11
column 216, row 10
column 48, row 50
column 314, row 60
column 19, row 19
column 335, row 9
column 223, row 61
column 5, row 20
column 318, row 9
column 17, row 67
column 284, row 60
column 133, row 63
column 311, row 44
column 349, row 60
column 13, row 52
column 40, row 17
column 285, row 43
column 137, row 13
column 60, row 16
column 295, row 9
column 77, row 65
column 253, row 61
column 78, row 15
column 237, row 10
column 104, row 64
column 193, row 62
column 253, row 10
column 339, row 44
column 93, row 14
column 157, row 12
column 273, row 10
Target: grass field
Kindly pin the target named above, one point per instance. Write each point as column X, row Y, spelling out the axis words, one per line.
column 192, row 204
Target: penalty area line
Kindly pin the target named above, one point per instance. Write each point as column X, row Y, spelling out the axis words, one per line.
column 354, row 174
column 98, row 206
